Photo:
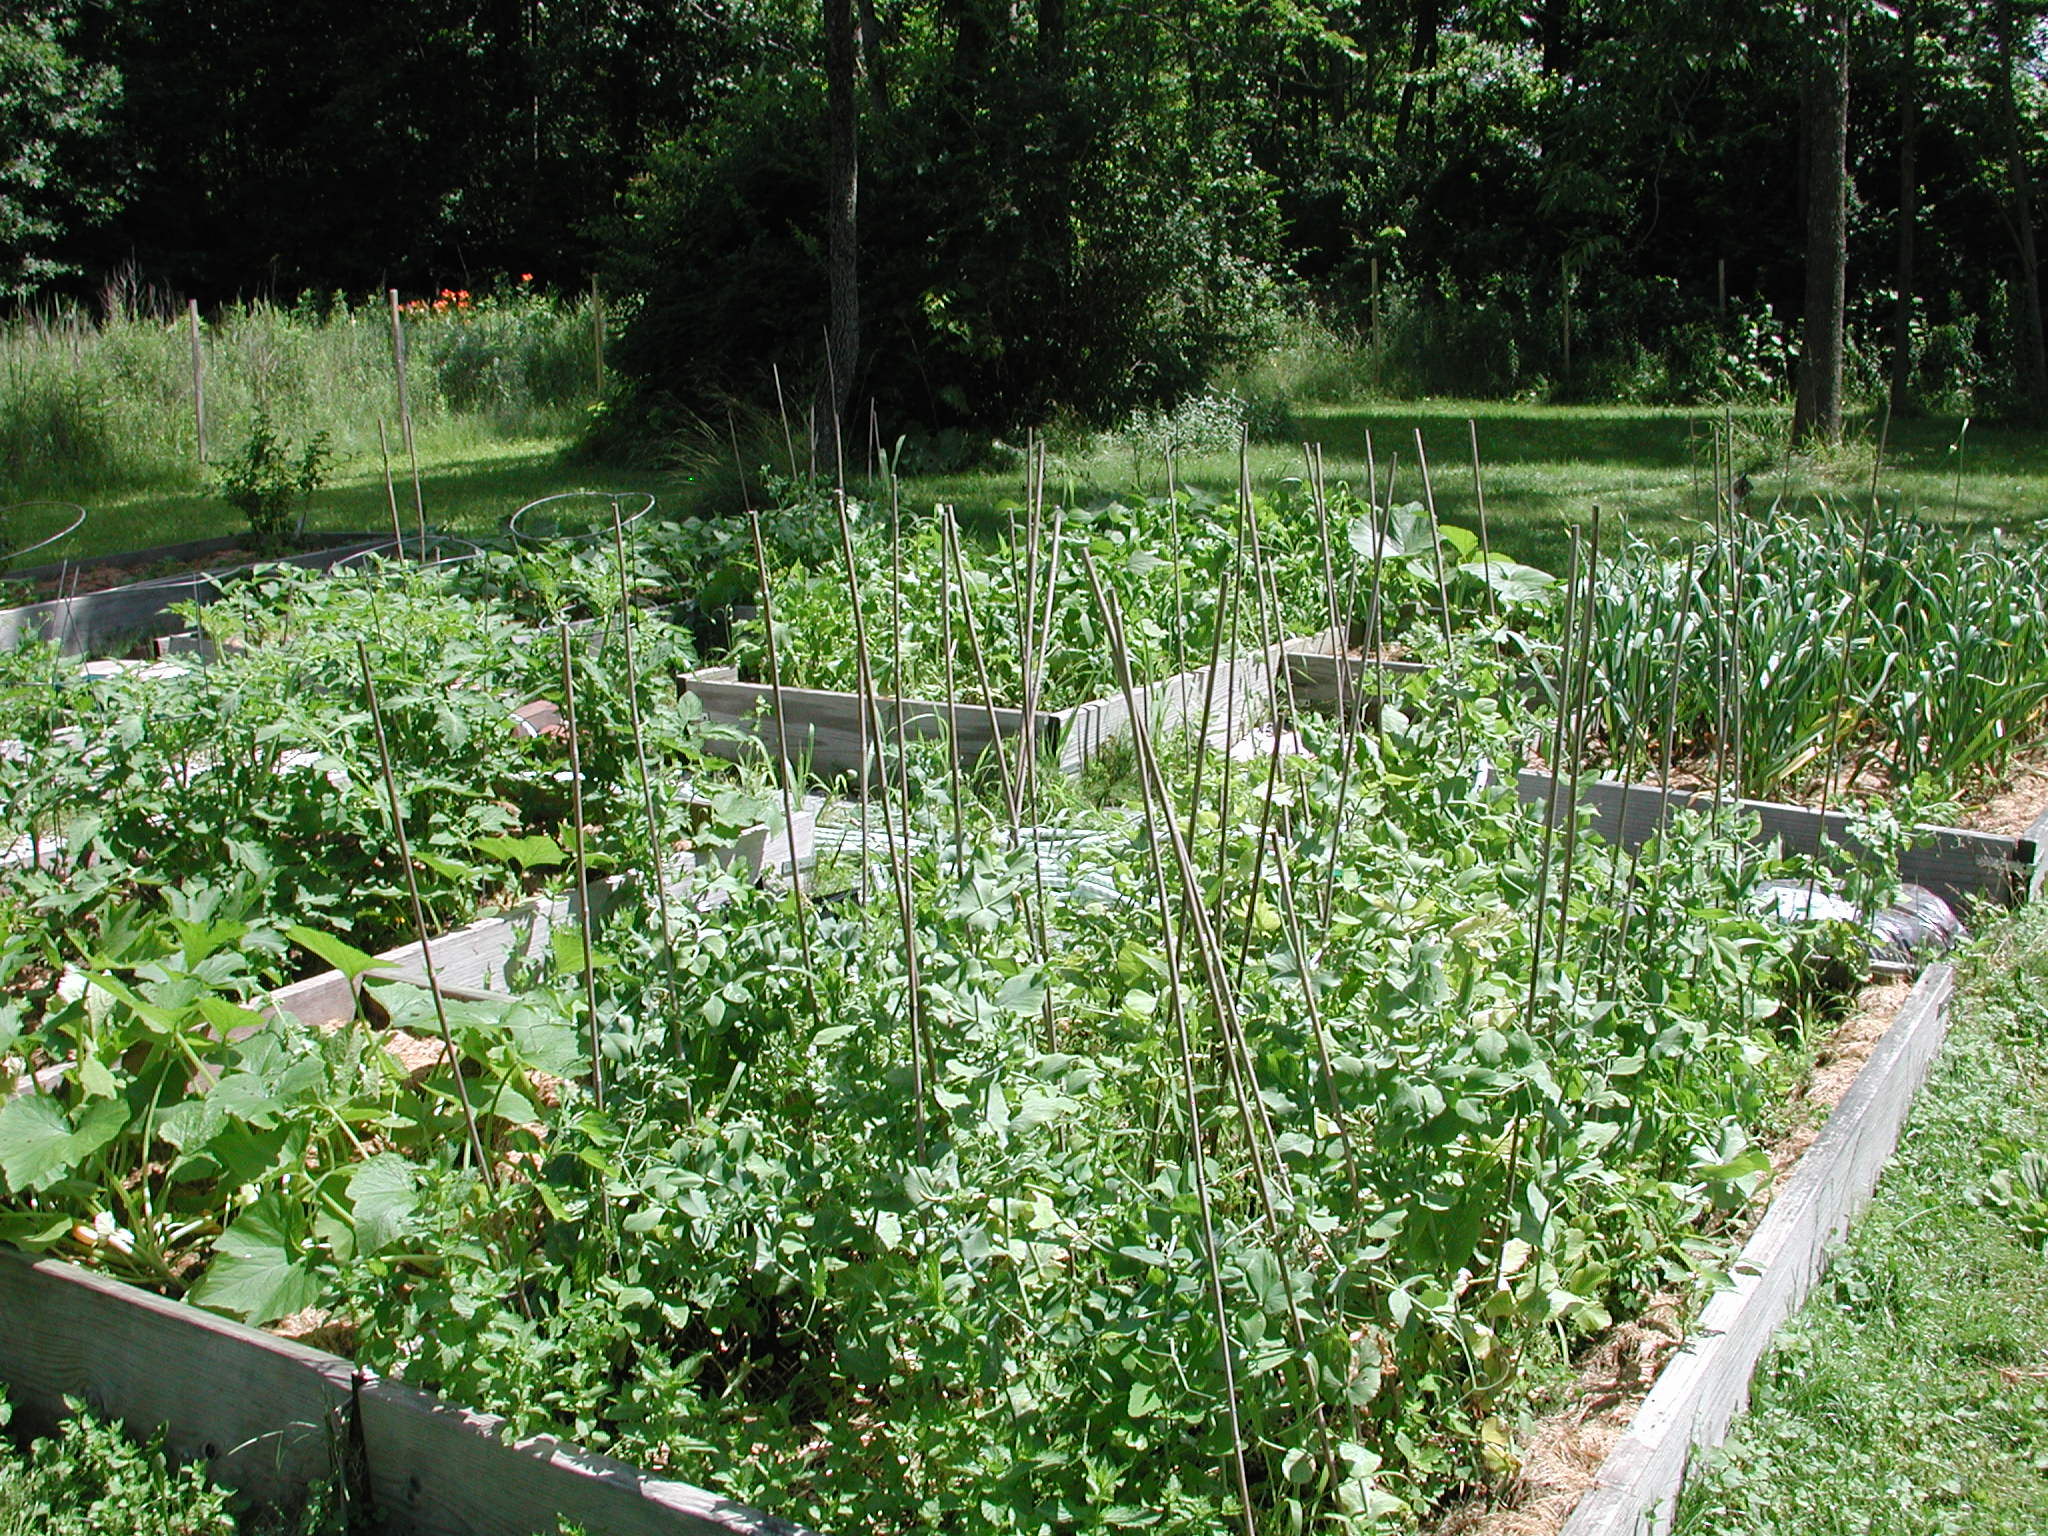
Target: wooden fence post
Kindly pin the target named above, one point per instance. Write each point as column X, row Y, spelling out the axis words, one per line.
column 198, row 378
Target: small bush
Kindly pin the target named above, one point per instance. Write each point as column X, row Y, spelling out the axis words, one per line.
column 265, row 483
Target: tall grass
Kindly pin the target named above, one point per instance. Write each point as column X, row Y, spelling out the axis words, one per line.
column 96, row 407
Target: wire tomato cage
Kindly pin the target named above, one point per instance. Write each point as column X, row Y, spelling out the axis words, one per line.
column 577, row 517
column 20, row 522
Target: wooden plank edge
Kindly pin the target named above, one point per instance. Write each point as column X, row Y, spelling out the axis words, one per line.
column 2034, row 851
column 327, row 999
column 1701, row 1390
column 265, row 1416
column 1961, row 860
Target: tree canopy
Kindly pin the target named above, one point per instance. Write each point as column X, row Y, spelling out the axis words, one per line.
column 1070, row 206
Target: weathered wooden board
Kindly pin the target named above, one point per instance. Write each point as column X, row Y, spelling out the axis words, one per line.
column 1707, row 1384
column 1233, row 696
column 825, row 728
column 1320, row 679
column 2034, row 855
column 269, row 1417
column 122, row 616
column 483, row 960
column 1958, row 865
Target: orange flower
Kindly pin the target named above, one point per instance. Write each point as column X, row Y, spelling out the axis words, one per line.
column 526, row 277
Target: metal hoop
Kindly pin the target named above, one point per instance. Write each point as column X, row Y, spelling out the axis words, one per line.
column 9, row 556
column 530, row 535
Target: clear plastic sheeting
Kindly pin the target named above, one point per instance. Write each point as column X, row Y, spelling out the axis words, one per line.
column 1916, row 927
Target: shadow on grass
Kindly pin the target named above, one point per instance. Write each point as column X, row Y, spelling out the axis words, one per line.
column 471, row 493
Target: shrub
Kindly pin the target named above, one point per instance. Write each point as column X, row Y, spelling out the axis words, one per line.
column 265, row 483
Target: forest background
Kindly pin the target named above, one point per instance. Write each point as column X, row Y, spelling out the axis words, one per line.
column 978, row 217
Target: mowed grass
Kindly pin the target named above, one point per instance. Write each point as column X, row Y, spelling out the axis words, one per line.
column 1910, row 1396
column 470, row 484
column 1543, row 468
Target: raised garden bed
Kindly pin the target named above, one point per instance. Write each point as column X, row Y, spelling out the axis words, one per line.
column 271, row 1418
column 827, row 730
column 1249, row 1167
column 112, row 602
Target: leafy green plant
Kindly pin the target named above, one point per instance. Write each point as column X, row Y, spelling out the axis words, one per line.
column 2020, row 1189
column 264, row 482
column 1798, row 649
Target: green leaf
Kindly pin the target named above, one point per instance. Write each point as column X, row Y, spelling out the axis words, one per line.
column 99, row 1125
column 230, row 1020
column 35, row 1142
column 539, row 851
column 1142, row 1402
column 256, row 1273
column 95, row 1080
column 343, row 956
column 1511, row 581
column 384, row 1190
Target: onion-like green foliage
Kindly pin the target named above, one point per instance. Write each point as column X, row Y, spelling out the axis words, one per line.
column 1825, row 646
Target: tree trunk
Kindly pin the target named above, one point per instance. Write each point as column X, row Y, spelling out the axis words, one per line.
column 842, row 336
column 1817, row 415
column 1909, row 210
column 1421, row 51
column 2033, row 344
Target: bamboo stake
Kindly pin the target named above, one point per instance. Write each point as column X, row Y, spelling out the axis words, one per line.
column 950, row 536
column 582, row 866
column 1485, row 543
column 783, row 766
column 1679, row 626
column 899, row 876
column 1220, row 992
column 1436, row 540
column 390, row 490
column 1198, row 1167
column 1225, row 596
column 1557, row 738
column 419, row 923
column 654, row 842
column 952, row 700
column 405, row 416
column 1577, row 755
column 782, row 412
column 1347, row 737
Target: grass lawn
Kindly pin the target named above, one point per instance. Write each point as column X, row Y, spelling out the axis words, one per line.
column 1545, row 467
column 470, row 485
column 1910, row 1395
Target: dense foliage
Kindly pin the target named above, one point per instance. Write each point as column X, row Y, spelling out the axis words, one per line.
column 1166, row 560
column 1069, row 205
column 1785, row 653
column 1019, row 1202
